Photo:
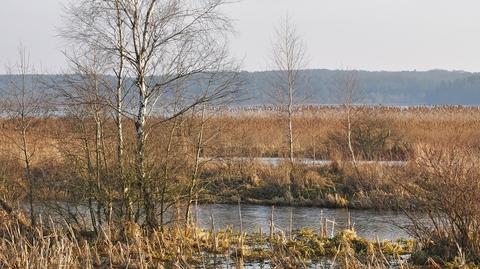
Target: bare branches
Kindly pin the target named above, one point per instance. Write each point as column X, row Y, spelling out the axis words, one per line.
column 348, row 94
column 348, row 89
column 24, row 104
column 447, row 188
column 289, row 58
column 156, row 44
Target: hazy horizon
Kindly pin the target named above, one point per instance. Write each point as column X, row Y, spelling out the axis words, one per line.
column 371, row 35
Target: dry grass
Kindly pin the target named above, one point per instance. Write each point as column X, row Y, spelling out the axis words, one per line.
column 59, row 166
column 59, row 153
column 56, row 247
column 262, row 133
column 333, row 186
column 256, row 133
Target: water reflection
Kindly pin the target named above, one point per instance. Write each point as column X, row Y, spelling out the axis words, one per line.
column 368, row 223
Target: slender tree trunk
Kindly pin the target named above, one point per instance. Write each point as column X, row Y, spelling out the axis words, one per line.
column 108, row 206
column 98, row 165
column 349, row 137
column 28, row 175
column 125, row 182
column 349, row 140
column 193, row 182
column 98, row 151
column 290, row 129
column 291, row 178
column 91, row 188
column 126, row 188
column 127, row 203
column 140, row 122
column 166, row 172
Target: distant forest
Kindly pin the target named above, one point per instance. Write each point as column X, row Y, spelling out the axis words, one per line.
column 384, row 88
column 435, row 87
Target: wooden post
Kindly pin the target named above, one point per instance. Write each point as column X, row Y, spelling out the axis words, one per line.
column 240, row 239
column 291, row 225
column 320, row 232
column 325, row 227
column 333, row 228
column 272, row 225
column 240, row 215
column 349, row 221
column 213, row 233
column 261, row 233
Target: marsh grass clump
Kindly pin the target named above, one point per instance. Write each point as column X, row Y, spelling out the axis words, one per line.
column 177, row 247
column 308, row 246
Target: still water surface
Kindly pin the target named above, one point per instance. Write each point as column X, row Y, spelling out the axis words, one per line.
column 367, row 223
column 386, row 225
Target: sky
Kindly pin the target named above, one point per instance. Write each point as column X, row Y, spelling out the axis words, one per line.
column 372, row 35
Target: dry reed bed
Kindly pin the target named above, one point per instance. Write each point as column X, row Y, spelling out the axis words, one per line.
column 319, row 133
column 261, row 132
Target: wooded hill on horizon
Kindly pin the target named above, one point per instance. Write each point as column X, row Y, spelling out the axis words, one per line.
column 319, row 86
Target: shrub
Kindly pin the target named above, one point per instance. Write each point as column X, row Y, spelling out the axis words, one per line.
column 446, row 188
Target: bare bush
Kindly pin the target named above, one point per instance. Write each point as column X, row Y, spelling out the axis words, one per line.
column 447, row 189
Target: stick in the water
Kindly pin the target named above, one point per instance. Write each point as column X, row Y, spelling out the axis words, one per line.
column 271, row 223
column 240, row 215
column 291, row 224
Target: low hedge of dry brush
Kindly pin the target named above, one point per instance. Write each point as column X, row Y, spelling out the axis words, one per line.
column 447, row 192
column 56, row 247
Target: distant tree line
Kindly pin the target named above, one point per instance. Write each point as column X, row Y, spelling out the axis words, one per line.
column 386, row 88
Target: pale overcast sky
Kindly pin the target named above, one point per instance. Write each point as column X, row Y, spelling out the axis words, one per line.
column 355, row 34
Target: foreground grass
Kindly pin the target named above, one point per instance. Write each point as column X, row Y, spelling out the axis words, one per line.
column 56, row 247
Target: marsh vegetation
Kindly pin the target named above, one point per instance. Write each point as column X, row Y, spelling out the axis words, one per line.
column 107, row 165
column 428, row 189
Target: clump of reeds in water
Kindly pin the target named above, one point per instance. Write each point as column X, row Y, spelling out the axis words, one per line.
column 60, row 246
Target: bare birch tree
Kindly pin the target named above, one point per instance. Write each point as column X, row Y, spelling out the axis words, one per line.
column 84, row 96
column 288, row 57
column 24, row 104
column 349, row 95
column 119, row 97
column 158, row 38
